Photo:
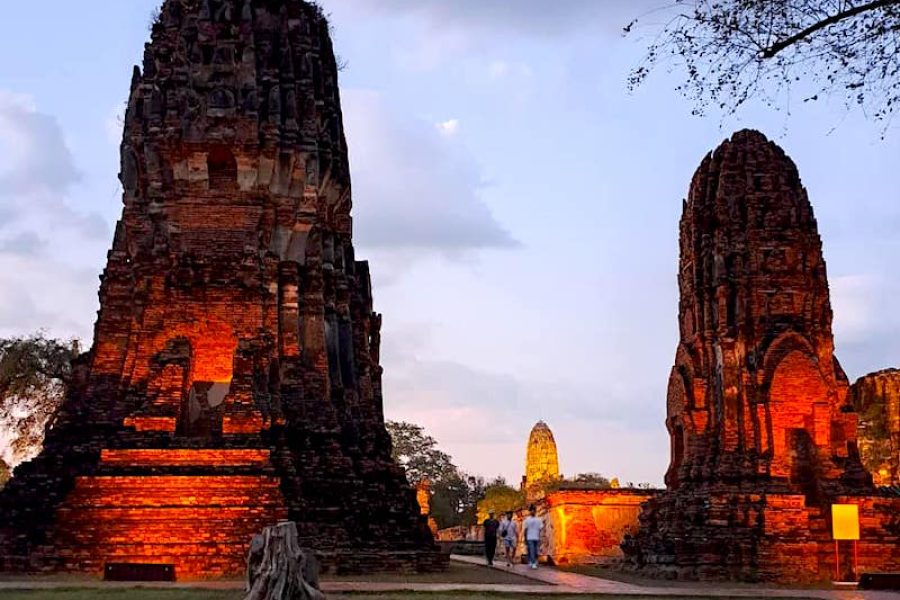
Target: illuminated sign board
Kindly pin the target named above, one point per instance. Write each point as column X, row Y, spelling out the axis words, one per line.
column 845, row 521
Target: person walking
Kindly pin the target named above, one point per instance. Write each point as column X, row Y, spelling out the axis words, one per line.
column 533, row 527
column 491, row 525
column 509, row 531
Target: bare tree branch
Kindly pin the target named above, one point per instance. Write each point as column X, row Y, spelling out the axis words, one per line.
column 777, row 47
column 734, row 51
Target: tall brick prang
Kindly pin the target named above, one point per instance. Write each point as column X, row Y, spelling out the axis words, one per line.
column 763, row 435
column 234, row 378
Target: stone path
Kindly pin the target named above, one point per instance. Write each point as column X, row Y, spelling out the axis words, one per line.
column 554, row 582
column 572, row 583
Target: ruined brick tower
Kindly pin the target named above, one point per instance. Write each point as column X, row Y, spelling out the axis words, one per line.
column 541, row 462
column 763, row 438
column 234, row 378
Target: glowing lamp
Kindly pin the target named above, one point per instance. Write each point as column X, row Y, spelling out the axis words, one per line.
column 845, row 521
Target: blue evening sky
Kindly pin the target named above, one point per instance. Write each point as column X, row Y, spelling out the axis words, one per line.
column 518, row 205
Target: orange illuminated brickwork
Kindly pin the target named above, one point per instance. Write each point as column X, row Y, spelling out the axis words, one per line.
column 200, row 524
column 168, row 458
column 423, row 498
column 763, row 434
column 876, row 398
column 541, row 462
column 585, row 526
column 234, row 377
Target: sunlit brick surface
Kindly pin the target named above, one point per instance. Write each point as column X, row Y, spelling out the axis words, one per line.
column 588, row 526
column 763, row 435
column 235, row 373
column 876, row 398
column 202, row 525
column 168, row 457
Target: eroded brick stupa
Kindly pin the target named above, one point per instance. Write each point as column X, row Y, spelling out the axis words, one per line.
column 763, row 436
column 541, row 461
column 234, row 378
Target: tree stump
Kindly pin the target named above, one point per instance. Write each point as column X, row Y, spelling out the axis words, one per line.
column 279, row 569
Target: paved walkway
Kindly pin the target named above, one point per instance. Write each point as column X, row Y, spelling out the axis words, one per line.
column 573, row 583
column 553, row 582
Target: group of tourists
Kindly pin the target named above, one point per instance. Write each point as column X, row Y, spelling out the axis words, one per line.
column 507, row 531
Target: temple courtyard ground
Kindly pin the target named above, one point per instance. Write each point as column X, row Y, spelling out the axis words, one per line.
column 467, row 579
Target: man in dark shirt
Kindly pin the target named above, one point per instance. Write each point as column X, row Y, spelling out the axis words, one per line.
column 491, row 525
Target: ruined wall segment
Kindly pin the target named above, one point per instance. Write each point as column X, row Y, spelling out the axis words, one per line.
column 876, row 398
column 763, row 435
column 236, row 351
column 589, row 526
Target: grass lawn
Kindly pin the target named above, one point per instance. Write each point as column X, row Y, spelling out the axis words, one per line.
column 120, row 594
column 147, row 594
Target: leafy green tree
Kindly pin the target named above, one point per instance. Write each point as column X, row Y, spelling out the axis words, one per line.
column 594, row 479
column 418, row 454
column 34, row 376
column 448, row 500
column 454, row 494
column 499, row 498
column 735, row 50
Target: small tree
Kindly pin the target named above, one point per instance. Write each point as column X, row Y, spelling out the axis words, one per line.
column 454, row 494
column 418, row 454
column 34, row 376
column 735, row 50
column 499, row 498
column 595, row 479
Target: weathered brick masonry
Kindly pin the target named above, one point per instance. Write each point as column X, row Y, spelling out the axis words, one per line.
column 541, row 462
column 234, row 378
column 763, row 436
column 876, row 397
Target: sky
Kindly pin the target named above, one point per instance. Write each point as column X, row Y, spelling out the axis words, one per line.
column 519, row 207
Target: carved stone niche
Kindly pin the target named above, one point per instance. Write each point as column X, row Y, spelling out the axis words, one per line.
column 221, row 103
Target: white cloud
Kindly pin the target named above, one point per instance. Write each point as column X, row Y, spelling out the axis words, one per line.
column 482, row 418
column 498, row 69
column 853, row 302
column 40, row 293
column 866, row 325
column 522, row 17
column 413, row 188
column 42, row 286
column 449, row 127
column 442, row 31
column 502, row 69
column 32, row 152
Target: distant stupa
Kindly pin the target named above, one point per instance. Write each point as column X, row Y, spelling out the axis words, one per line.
column 541, row 461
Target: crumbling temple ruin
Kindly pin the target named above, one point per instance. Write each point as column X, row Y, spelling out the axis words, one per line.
column 876, row 398
column 541, row 462
column 234, row 378
column 585, row 523
column 763, row 434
